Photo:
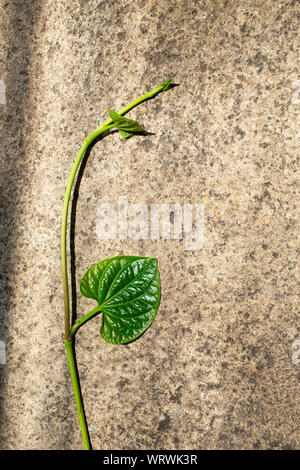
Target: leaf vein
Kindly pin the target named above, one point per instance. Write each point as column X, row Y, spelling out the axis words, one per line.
column 132, row 280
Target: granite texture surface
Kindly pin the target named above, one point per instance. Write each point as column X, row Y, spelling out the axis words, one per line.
column 219, row 368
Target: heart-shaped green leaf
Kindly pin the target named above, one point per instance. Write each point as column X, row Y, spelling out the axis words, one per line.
column 127, row 289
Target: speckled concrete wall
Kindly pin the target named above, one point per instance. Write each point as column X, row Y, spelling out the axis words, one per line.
column 219, row 368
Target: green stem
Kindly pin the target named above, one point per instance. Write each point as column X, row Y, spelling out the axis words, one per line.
column 64, row 221
column 77, row 394
column 84, row 319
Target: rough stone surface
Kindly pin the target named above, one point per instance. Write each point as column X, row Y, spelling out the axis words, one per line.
column 218, row 368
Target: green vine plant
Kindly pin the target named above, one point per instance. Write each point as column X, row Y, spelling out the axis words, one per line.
column 126, row 288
